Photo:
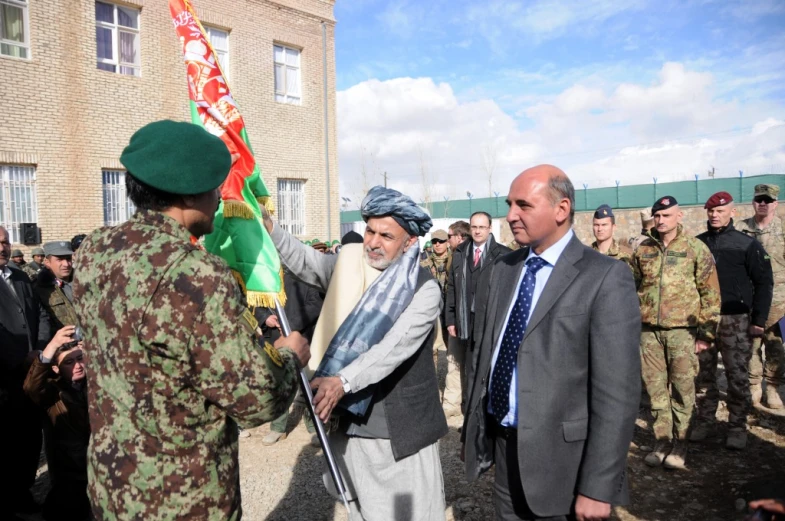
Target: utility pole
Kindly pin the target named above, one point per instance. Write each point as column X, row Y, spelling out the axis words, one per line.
column 385, row 179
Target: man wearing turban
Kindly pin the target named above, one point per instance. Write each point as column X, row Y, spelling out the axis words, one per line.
column 371, row 356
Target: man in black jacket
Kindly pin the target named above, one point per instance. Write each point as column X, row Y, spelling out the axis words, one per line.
column 24, row 326
column 746, row 287
column 471, row 260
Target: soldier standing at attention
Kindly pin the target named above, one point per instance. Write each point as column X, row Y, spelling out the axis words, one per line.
column 604, row 226
column 172, row 359
column 680, row 310
column 768, row 229
column 746, row 283
column 38, row 259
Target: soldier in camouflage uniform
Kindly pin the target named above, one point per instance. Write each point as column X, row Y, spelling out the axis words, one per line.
column 439, row 262
column 53, row 285
column 172, row 362
column 18, row 259
column 746, row 283
column 769, row 230
column 604, row 226
column 680, row 307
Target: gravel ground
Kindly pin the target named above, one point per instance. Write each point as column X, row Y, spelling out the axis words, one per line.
column 283, row 482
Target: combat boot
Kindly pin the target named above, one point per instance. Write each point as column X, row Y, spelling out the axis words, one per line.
column 273, row 438
column 757, row 393
column 700, row 432
column 678, row 456
column 737, row 439
column 773, row 400
column 657, row 456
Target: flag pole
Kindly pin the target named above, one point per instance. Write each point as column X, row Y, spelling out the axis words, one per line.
column 305, row 387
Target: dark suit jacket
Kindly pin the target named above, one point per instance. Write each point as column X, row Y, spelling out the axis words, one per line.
column 24, row 326
column 462, row 282
column 303, row 307
column 578, row 379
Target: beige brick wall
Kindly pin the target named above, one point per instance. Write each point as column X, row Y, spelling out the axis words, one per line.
column 628, row 222
column 70, row 119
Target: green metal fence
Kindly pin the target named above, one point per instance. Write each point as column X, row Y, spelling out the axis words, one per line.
column 687, row 193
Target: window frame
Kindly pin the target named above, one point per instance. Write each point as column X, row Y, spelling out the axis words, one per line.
column 8, row 203
column 294, row 224
column 25, row 6
column 288, row 99
column 118, row 191
column 226, row 52
column 116, row 29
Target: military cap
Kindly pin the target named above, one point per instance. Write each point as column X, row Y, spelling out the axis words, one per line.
column 603, row 211
column 439, row 234
column 38, row 251
column 58, row 248
column 428, row 244
column 663, row 203
column 177, row 158
column 646, row 216
column 772, row 191
column 718, row 199
column 16, row 253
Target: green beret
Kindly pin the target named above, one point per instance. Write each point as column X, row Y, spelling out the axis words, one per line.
column 177, row 158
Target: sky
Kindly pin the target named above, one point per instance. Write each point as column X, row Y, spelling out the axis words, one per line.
column 450, row 96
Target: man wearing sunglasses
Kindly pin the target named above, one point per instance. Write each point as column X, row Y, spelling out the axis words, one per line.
column 767, row 228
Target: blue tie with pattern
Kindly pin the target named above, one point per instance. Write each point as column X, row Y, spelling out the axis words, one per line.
column 511, row 341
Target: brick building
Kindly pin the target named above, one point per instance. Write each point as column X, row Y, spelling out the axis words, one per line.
column 82, row 75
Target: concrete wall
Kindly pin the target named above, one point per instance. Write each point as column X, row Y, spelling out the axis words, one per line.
column 70, row 120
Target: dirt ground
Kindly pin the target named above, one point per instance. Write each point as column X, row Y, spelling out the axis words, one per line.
column 283, row 482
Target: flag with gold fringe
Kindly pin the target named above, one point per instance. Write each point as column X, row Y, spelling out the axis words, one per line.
column 239, row 236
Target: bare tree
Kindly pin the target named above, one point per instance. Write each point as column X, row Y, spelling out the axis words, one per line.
column 488, row 154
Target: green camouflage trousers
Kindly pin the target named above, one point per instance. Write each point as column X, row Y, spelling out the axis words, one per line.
column 735, row 346
column 668, row 358
column 773, row 370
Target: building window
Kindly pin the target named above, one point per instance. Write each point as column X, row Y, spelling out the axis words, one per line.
column 117, row 206
column 219, row 39
column 18, row 201
column 14, row 36
column 287, row 74
column 117, row 38
column 291, row 206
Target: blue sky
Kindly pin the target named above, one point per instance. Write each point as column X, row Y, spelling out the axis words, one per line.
column 585, row 83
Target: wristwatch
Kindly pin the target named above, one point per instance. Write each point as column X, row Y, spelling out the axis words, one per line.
column 346, row 387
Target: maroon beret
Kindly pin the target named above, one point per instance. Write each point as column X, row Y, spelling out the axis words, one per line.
column 718, row 199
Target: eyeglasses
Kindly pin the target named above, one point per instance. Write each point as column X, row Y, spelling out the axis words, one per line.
column 763, row 200
column 437, row 241
column 479, row 227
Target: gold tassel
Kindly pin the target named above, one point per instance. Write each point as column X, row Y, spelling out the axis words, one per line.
column 267, row 203
column 258, row 299
column 238, row 209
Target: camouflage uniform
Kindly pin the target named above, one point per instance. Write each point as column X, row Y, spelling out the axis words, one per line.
column 618, row 251
column 680, row 302
column 634, row 242
column 172, row 365
column 773, row 240
column 735, row 345
column 30, row 271
column 439, row 268
column 60, row 309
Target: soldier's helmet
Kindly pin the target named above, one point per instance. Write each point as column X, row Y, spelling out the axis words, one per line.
column 77, row 241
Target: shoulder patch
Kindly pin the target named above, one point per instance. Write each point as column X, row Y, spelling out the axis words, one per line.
column 249, row 321
column 273, row 353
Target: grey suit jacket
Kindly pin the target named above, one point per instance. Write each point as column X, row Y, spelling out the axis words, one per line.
column 578, row 379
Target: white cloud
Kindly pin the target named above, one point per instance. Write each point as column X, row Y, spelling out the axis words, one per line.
column 670, row 128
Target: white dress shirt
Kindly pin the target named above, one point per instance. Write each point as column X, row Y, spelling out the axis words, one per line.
column 551, row 256
column 6, row 273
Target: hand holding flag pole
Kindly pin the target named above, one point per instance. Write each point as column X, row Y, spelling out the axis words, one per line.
column 305, row 387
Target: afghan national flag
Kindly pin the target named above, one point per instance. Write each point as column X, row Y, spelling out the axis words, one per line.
column 239, row 236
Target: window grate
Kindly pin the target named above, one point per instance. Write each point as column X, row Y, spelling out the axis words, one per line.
column 18, row 199
column 117, row 206
column 291, row 206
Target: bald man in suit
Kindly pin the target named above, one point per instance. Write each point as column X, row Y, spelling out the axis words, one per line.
column 555, row 380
